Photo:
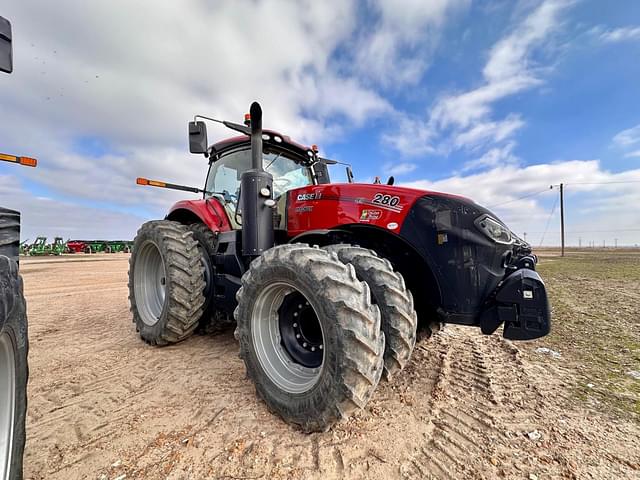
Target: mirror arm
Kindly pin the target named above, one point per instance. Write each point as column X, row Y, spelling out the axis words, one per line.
column 233, row 126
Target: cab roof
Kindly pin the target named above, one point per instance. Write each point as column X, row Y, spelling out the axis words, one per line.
column 270, row 138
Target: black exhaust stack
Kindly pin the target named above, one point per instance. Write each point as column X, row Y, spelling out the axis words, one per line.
column 256, row 195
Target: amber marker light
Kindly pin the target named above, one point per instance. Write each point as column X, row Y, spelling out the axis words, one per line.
column 28, row 161
column 142, row 181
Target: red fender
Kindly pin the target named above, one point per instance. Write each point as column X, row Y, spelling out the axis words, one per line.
column 208, row 211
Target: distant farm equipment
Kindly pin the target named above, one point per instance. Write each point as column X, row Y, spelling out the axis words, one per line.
column 40, row 247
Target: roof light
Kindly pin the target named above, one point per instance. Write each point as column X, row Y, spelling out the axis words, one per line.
column 142, row 181
column 247, row 119
column 277, row 139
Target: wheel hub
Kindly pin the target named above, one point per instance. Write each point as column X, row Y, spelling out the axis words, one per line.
column 280, row 347
column 300, row 331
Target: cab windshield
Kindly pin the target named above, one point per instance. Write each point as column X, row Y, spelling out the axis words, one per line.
column 224, row 174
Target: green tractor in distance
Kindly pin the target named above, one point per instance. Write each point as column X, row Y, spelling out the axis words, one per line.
column 58, row 247
column 39, row 247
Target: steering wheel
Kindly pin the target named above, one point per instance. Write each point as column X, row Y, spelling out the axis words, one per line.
column 229, row 198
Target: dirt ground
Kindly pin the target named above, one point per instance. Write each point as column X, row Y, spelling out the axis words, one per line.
column 103, row 405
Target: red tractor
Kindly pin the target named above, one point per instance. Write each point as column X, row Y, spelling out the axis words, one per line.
column 329, row 283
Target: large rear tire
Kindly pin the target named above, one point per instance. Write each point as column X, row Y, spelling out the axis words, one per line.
column 166, row 282
column 14, row 370
column 390, row 294
column 309, row 336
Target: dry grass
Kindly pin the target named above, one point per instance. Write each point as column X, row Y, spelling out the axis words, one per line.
column 595, row 297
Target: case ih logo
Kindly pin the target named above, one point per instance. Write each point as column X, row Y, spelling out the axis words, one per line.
column 303, row 197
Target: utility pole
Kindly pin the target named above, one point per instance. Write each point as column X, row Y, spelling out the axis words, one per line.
column 525, row 236
column 615, row 241
column 562, row 216
column 579, row 242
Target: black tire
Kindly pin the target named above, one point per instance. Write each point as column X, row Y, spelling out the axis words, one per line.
column 14, row 344
column 207, row 245
column 351, row 357
column 165, row 307
column 390, row 294
column 10, row 233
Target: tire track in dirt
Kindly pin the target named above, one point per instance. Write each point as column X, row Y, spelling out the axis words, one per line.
column 464, row 426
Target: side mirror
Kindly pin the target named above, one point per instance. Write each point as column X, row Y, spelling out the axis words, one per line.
column 349, row 175
column 197, row 137
column 6, row 58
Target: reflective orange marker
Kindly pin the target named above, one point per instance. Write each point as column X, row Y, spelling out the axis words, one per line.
column 28, row 161
column 142, row 181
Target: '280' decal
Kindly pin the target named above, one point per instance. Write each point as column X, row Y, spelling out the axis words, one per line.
column 383, row 199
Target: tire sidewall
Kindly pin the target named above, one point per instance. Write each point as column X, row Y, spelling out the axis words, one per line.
column 320, row 396
column 15, row 326
column 154, row 236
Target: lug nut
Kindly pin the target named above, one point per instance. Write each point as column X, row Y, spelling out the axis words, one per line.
column 297, row 335
column 295, row 325
column 313, row 349
column 300, row 307
column 295, row 314
column 304, row 344
column 306, row 303
column 320, row 347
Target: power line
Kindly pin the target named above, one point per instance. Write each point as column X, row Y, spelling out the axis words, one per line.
column 523, row 197
column 601, row 183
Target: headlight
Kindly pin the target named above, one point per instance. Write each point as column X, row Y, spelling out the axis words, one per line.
column 494, row 230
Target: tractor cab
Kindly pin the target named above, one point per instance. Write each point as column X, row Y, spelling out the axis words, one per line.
column 291, row 165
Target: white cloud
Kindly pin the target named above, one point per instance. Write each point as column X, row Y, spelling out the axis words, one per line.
column 593, row 210
column 398, row 48
column 488, row 132
column 492, row 158
column 462, row 120
column 399, row 168
column 618, row 34
column 634, row 154
column 628, row 137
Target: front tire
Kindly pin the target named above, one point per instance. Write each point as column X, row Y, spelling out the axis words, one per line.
column 166, row 282
column 390, row 294
column 14, row 371
column 309, row 336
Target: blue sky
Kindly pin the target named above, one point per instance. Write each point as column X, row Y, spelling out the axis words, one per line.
column 494, row 100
